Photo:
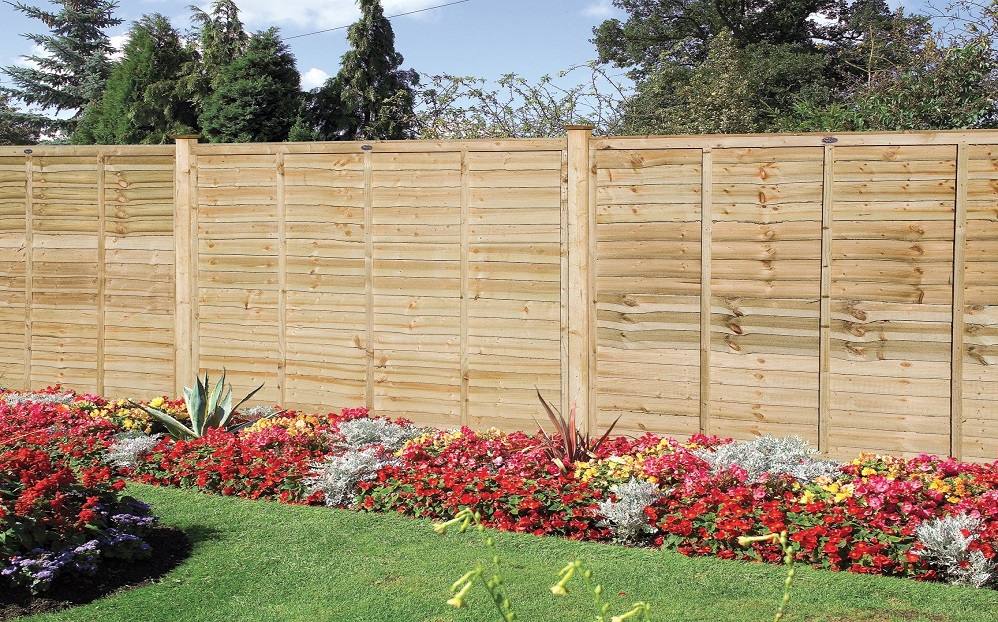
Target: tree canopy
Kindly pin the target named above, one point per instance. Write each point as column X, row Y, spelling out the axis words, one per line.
column 258, row 95
column 73, row 67
column 142, row 102
column 376, row 94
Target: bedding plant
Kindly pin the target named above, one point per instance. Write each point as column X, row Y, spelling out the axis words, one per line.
column 61, row 512
column 697, row 496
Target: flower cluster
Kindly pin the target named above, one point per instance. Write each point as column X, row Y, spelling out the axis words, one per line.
column 61, row 511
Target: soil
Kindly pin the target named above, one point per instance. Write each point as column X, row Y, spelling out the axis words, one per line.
column 170, row 548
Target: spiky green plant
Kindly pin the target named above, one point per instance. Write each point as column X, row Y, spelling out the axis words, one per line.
column 569, row 445
column 207, row 410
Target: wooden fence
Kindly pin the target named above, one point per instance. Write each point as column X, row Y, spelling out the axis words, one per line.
column 836, row 287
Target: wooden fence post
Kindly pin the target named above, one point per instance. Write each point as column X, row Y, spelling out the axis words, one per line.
column 184, row 271
column 581, row 364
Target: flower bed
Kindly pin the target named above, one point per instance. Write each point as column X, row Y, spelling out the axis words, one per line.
column 699, row 496
column 60, row 513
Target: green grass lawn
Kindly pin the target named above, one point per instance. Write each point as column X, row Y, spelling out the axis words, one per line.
column 272, row 562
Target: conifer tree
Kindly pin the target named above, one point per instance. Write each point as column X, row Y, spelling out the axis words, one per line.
column 72, row 70
column 218, row 38
column 377, row 96
column 258, row 96
column 16, row 128
column 142, row 102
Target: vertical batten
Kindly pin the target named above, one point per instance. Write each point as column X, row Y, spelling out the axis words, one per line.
column 581, row 287
column 825, row 312
column 369, row 275
column 282, row 284
column 566, row 362
column 959, row 293
column 706, row 236
column 101, row 269
column 185, row 270
column 465, row 416
column 29, row 209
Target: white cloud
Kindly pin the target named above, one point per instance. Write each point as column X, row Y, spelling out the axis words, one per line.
column 316, row 14
column 313, row 78
column 118, row 43
column 600, row 8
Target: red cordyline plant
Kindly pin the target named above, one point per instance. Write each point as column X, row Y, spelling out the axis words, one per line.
column 569, row 445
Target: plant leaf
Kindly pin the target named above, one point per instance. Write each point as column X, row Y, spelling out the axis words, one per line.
column 176, row 429
column 215, row 412
column 233, row 410
column 194, row 405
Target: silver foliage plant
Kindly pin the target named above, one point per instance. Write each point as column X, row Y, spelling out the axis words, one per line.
column 626, row 516
column 128, row 447
column 337, row 476
column 259, row 411
column 16, row 399
column 945, row 548
column 789, row 455
column 364, row 432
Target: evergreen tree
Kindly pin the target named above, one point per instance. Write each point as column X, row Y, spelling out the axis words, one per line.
column 258, row 96
column 376, row 95
column 142, row 103
column 322, row 115
column 71, row 72
column 16, row 128
column 218, row 39
column 740, row 66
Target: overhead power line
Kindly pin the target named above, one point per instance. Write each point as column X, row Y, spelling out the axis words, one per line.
column 431, row 8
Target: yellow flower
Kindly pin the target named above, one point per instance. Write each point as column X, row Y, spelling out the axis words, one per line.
column 807, row 497
column 867, row 471
column 157, row 402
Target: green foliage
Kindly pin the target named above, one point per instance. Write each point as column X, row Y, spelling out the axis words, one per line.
column 258, row 97
column 944, row 88
column 207, row 410
column 142, row 103
column 455, row 107
column 377, row 95
column 218, row 39
column 16, row 128
column 72, row 70
column 768, row 65
column 322, row 115
column 661, row 32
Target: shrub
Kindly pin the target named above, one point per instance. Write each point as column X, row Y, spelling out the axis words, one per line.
column 129, row 447
column 946, row 544
column 360, row 433
column 337, row 476
column 790, row 455
column 16, row 399
column 626, row 516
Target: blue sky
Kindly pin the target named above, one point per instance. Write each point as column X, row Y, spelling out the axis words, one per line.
column 482, row 38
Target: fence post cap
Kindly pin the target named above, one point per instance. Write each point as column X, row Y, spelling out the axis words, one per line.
column 186, row 136
column 580, row 127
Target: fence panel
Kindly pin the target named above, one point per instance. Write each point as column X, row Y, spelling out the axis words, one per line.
column 979, row 382
column 840, row 288
column 13, row 269
column 648, row 289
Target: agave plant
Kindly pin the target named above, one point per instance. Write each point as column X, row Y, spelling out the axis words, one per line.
column 212, row 410
column 569, row 445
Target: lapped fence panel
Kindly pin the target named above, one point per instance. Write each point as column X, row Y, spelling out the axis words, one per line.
column 836, row 287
